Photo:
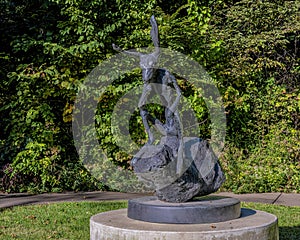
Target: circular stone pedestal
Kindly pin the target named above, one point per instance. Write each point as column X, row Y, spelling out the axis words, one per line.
column 207, row 209
column 252, row 225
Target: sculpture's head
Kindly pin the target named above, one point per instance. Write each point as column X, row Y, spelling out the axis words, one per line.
column 147, row 64
column 147, row 61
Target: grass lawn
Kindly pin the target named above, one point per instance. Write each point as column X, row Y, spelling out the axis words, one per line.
column 71, row 220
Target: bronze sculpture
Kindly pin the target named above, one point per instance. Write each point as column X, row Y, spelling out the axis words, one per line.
column 189, row 164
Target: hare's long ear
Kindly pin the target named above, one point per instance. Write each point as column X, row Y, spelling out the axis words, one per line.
column 154, row 31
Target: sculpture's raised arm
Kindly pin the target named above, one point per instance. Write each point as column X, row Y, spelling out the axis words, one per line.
column 170, row 79
column 117, row 48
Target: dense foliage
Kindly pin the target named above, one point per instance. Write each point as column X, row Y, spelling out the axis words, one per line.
column 250, row 48
column 260, row 82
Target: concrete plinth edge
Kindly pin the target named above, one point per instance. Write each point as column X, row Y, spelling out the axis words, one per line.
column 252, row 225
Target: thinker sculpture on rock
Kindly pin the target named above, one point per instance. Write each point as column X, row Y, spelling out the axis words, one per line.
column 178, row 167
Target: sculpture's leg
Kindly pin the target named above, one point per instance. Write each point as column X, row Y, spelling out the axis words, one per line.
column 144, row 113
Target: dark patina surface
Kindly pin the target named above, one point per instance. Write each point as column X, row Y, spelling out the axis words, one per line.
column 177, row 167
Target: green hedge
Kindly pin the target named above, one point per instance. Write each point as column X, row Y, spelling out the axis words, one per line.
column 49, row 47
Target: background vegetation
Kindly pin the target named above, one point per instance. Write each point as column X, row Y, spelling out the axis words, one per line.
column 47, row 48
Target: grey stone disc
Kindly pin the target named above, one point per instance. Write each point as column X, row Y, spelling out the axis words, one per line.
column 207, row 209
column 252, row 225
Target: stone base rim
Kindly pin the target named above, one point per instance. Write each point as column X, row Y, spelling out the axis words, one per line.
column 252, row 225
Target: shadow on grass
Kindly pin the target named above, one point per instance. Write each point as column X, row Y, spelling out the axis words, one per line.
column 289, row 233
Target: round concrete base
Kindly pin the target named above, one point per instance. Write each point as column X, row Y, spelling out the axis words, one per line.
column 252, row 225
